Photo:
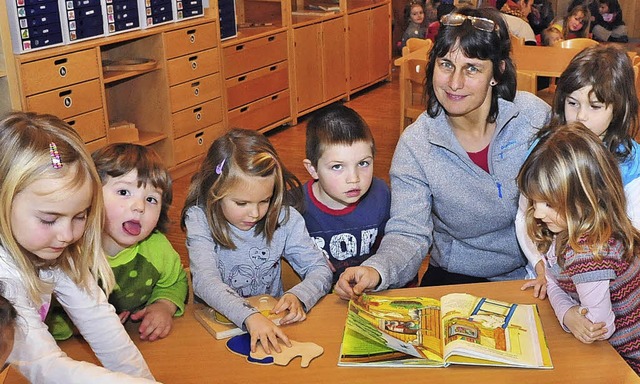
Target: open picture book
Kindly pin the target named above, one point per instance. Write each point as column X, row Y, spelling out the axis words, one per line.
column 459, row 328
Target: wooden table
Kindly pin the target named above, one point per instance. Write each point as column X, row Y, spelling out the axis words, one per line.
column 191, row 355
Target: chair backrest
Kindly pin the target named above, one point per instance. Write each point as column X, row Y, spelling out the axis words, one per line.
column 580, row 43
column 526, row 81
column 543, row 61
column 515, row 40
column 412, row 78
column 414, row 44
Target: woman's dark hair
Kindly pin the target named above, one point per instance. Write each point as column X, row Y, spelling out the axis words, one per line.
column 475, row 43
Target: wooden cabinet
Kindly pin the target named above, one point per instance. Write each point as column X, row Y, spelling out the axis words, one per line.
column 320, row 67
column 369, row 42
column 176, row 102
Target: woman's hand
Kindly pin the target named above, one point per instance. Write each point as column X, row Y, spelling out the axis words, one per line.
column 581, row 327
column 264, row 330
column 290, row 302
column 539, row 284
column 356, row 280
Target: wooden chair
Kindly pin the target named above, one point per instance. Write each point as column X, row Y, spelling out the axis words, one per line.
column 415, row 44
column 579, row 43
column 526, row 81
column 412, row 78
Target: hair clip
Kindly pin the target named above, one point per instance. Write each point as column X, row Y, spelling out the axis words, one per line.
column 55, row 156
column 220, row 166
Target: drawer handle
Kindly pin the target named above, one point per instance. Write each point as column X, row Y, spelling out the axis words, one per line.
column 239, row 47
column 66, row 98
column 271, row 38
column 244, row 109
column 60, row 61
column 192, row 35
column 71, row 122
column 198, row 113
column 242, row 78
column 200, row 138
column 275, row 97
column 273, row 68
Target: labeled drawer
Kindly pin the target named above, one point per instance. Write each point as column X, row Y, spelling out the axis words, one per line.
column 197, row 117
column 261, row 113
column 90, row 126
column 257, row 84
column 195, row 144
column 189, row 40
column 245, row 57
column 195, row 92
column 55, row 72
column 189, row 67
column 69, row 101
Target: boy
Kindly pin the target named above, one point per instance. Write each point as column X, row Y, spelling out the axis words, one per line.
column 151, row 285
column 346, row 208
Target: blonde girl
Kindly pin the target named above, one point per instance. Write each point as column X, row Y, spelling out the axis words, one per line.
column 575, row 24
column 50, row 229
column 576, row 216
column 597, row 89
column 239, row 223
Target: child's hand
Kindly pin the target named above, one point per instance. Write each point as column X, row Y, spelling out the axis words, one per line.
column 157, row 320
column 263, row 329
column 356, row 280
column 539, row 284
column 290, row 302
column 124, row 316
column 581, row 327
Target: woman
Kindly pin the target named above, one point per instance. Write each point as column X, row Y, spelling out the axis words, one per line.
column 453, row 172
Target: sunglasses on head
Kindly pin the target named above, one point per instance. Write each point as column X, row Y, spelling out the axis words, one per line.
column 456, row 19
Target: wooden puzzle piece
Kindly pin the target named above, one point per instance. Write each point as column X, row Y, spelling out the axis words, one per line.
column 306, row 351
column 264, row 304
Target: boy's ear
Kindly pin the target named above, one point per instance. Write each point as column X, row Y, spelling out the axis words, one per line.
column 310, row 168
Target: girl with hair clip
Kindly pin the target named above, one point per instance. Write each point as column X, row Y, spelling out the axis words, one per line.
column 50, row 231
column 453, row 190
column 239, row 224
column 596, row 89
column 575, row 24
column 576, row 216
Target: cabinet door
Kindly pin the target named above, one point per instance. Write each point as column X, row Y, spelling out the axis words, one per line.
column 308, row 66
column 380, row 48
column 358, row 35
column 334, row 67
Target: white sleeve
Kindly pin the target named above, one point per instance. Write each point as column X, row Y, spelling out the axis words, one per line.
column 37, row 356
column 526, row 244
column 632, row 192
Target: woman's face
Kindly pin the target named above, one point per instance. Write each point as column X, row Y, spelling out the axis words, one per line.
column 575, row 22
column 461, row 84
column 417, row 14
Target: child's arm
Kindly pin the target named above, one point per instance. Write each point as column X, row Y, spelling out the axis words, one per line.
column 570, row 315
column 530, row 251
column 308, row 261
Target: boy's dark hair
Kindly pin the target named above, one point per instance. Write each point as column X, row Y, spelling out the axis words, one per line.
column 118, row 159
column 335, row 125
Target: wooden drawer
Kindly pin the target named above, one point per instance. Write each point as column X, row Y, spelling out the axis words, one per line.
column 195, row 92
column 188, row 40
column 261, row 113
column 245, row 57
column 90, row 126
column 95, row 145
column 55, row 72
column 189, row 67
column 197, row 117
column 254, row 85
column 69, row 101
column 195, row 144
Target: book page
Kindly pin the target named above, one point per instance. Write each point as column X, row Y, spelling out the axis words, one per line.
column 481, row 331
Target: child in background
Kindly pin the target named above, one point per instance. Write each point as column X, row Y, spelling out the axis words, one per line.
column 541, row 16
column 575, row 24
column 239, row 224
column 415, row 16
column 50, row 233
column 346, row 208
column 576, row 214
column 608, row 24
column 8, row 315
column 596, row 89
column 550, row 36
column 137, row 195
column 434, row 27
